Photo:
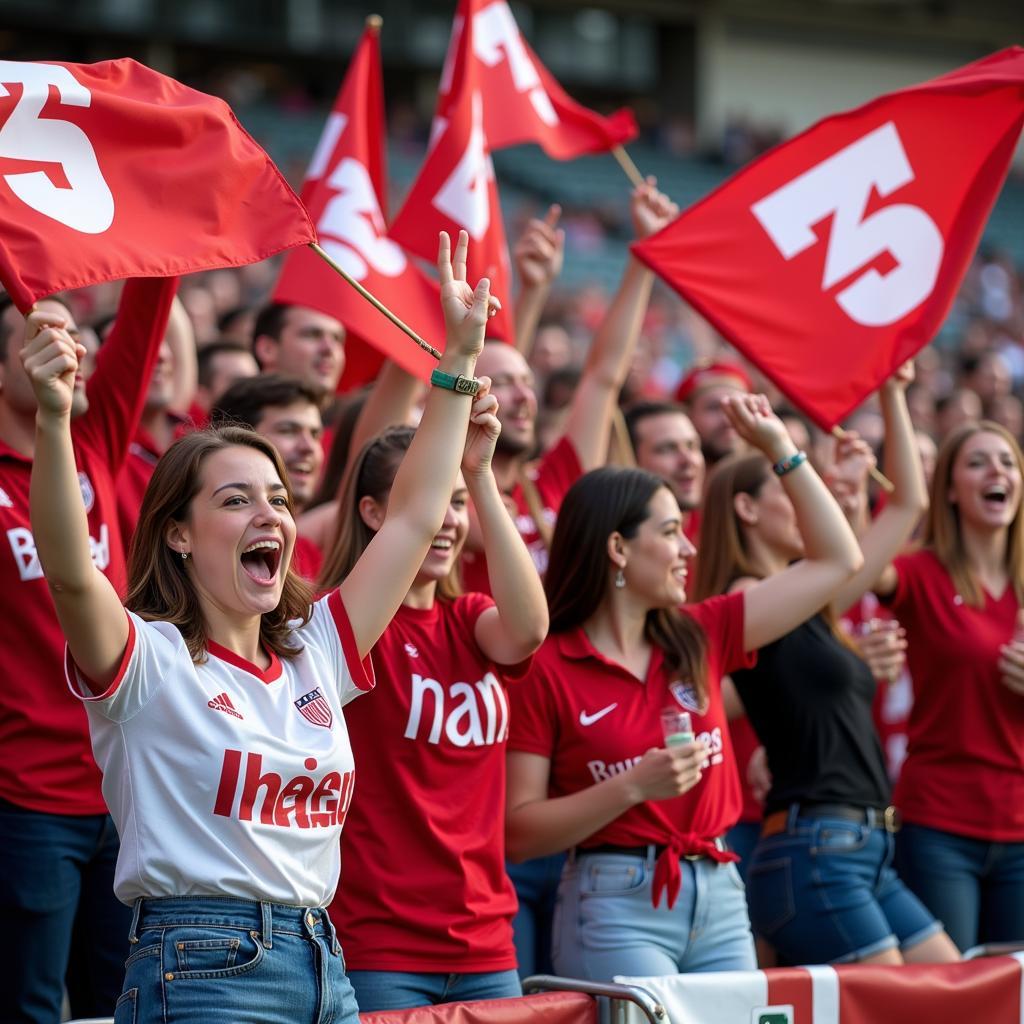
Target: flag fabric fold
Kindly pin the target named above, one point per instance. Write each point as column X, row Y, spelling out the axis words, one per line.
column 112, row 170
column 836, row 256
column 345, row 192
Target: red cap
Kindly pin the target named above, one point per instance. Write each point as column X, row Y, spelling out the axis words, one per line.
column 710, row 375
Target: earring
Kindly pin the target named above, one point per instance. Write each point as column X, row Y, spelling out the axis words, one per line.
column 620, row 579
column 184, row 556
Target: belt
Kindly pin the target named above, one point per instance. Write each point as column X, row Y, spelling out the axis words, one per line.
column 888, row 818
column 643, row 851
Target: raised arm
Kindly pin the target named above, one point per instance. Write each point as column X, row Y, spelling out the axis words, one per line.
column 537, row 825
column 776, row 605
column 88, row 608
column 891, row 529
column 538, row 257
column 588, row 425
column 181, row 338
column 516, row 625
column 422, row 489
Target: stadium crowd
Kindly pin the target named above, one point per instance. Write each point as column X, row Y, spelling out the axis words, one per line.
column 515, row 571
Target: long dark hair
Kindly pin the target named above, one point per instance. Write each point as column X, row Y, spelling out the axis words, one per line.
column 606, row 501
column 372, row 474
column 159, row 587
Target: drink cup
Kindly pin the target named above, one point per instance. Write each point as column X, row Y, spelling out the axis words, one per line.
column 676, row 727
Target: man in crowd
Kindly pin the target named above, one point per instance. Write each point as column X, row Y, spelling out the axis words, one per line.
column 701, row 392
column 300, row 342
column 60, row 924
column 219, row 365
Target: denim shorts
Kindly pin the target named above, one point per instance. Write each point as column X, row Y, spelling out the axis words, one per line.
column 220, row 960
column 824, row 891
column 605, row 924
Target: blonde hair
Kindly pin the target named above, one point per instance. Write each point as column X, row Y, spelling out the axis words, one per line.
column 942, row 532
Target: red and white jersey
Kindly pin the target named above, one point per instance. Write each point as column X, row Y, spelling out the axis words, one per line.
column 431, row 756
column 46, row 761
column 594, row 719
column 224, row 779
column 556, row 471
column 964, row 771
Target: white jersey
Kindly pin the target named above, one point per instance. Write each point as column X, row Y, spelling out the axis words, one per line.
column 224, row 779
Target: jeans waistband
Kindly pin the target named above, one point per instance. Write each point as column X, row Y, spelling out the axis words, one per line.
column 652, row 851
column 887, row 818
column 260, row 917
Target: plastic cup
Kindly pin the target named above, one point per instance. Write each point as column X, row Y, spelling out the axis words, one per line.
column 676, row 727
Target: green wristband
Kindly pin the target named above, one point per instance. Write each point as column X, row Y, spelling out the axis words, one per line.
column 460, row 385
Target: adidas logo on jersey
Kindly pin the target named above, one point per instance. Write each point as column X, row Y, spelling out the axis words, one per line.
column 223, row 703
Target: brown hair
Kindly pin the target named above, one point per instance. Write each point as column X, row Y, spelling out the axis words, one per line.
column 604, row 501
column 722, row 555
column 158, row 584
column 942, row 526
column 372, row 475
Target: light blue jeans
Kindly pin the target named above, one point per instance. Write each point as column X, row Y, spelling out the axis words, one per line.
column 605, row 923
column 401, row 990
column 219, row 960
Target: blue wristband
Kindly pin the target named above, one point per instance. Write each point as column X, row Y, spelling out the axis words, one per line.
column 460, row 385
column 788, row 464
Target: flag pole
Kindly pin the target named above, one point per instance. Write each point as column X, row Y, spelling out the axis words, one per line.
column 876, row 474
column 374, row 301
column 626, row 163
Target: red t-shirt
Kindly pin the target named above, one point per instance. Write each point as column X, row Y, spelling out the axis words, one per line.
column 423, row 884
column 595, row 719
column 964, row 771
column 558, row 469
column 46, row 761
column 307, row 558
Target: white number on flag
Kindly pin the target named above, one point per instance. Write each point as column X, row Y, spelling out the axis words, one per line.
column 86, row 206
column 465, row 196
column 352, row 227
column 842, row 185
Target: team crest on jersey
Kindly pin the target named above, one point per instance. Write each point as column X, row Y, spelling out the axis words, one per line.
column 314, row 708
column 685, row 695
column 412, row 650
column 88, row 494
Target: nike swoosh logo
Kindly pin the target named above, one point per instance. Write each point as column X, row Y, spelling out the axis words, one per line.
column 586, row 719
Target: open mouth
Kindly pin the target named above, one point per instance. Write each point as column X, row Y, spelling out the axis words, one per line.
column 441, row 544
column 996, row 495
column 261, row 559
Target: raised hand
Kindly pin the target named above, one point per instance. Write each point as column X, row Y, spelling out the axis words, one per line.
column 540, row 251
column 852, row 461
column 753, row 419
column 466, row 311
column 902, row 378
column 651, row 209
column 50, row 357
column 483, row 432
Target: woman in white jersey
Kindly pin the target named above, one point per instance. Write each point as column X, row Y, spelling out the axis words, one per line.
column 215, row 703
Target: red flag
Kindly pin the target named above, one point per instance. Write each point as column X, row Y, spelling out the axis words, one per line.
column 522, row 101
column 455, row 190
column 345, row 192
column 111, row 170
column 836, row 256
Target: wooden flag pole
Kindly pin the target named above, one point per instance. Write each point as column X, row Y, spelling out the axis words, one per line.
column 374, row 301
column 626, row 163
column 876, row 474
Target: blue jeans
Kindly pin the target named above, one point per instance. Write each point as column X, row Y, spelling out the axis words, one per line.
column 536, row 884
column 219, row 960
column 401, row 990
column 741, row 839
column 60, row 923
column 606, row 925
column 976, row 888
column 824, row 891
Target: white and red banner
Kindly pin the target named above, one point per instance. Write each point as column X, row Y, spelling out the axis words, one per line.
column 986, row 990
column 112, row 170
column 522, row 100
column 456, row 191
column 345, row 192
column 836, row 256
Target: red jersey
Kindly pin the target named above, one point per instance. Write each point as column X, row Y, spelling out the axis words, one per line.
column 558, row 469
column 430, row 749
column 964, row 771
column 307, row 558
column 46, row 761
column 595, row 719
